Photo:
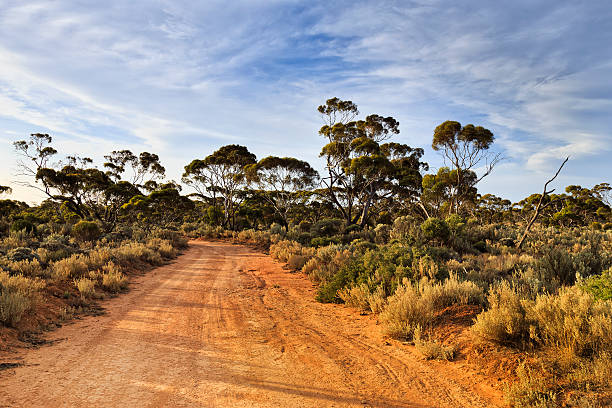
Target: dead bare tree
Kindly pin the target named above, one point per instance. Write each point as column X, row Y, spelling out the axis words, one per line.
column 540, row 205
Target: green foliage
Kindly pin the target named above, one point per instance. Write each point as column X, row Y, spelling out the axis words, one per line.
column 600, row 286
column 435, row 229
column 86, row 231
column 23, row 225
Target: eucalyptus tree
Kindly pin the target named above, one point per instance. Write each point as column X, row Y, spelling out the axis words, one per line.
column 221, row 176
column 284, row 182
column 360, row 169
column 466, row 148
column 144, row 171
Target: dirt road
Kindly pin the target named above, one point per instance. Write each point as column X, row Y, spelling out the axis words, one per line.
column 225, row 326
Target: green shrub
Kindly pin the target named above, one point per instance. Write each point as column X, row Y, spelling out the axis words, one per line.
column 405, row 229
column 21, row 254
column 600, row 286
column 23, row 225
column 86, row 231
column 328, row 292
column 435, row 229
column 326, row 227
column 382, row 232
column 455, row 223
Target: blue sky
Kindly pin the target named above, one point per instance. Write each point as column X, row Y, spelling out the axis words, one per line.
column 182, row 78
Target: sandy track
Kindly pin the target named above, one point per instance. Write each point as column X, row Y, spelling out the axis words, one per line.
column 226, row 326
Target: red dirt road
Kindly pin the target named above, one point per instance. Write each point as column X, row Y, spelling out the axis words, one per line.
column 225, row 326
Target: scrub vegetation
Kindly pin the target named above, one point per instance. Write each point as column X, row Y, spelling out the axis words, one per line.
column 376, row 230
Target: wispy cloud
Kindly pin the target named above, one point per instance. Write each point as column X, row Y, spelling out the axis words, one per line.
column 183, row 78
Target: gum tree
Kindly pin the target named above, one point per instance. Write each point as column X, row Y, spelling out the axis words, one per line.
column 221, row 176
column 465, row 148
column 361, row 170
column 284, row 182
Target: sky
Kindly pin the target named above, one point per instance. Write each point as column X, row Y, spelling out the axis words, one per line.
column 183, row 78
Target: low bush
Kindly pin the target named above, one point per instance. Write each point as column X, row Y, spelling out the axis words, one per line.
column 70, row 268
column 27, row 268
column 12, row 307
column 505, row 319
column 134, row 254
column 435, row 229
column 113, row 279
column 572, row 320
column 175, row 238
column 296, row 262
column 356, row 296
column 432, row 349
column 86, row 231
column 23, row 225
column 21, row 254
column 86, row 287
column 17, row 295
column 163, row 247
column 405, row 311
column 97, row 258
column 600, row 286
column 530, row 390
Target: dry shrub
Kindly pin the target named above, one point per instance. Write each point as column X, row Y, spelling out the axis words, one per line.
column 326, row 262
column 432, row 349
column 86, row 287
column 283, row 250
column 296, row 262
column 505, row 319
column 450, row 292
column 21, row 284
column 72, row 267
column 357, row 296
column 135, row 253
column 17, row 295
column 163, row 247
column 572, row 320
column 12, row 307
column 377, row 300
column 26, row 268
column 97, row 258
column 592, row 374
column 405, row 310
column 113, row 279
column 425, row 267
column 530, row 390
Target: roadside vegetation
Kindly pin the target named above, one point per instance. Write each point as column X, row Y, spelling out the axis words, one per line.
column 435, row 259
